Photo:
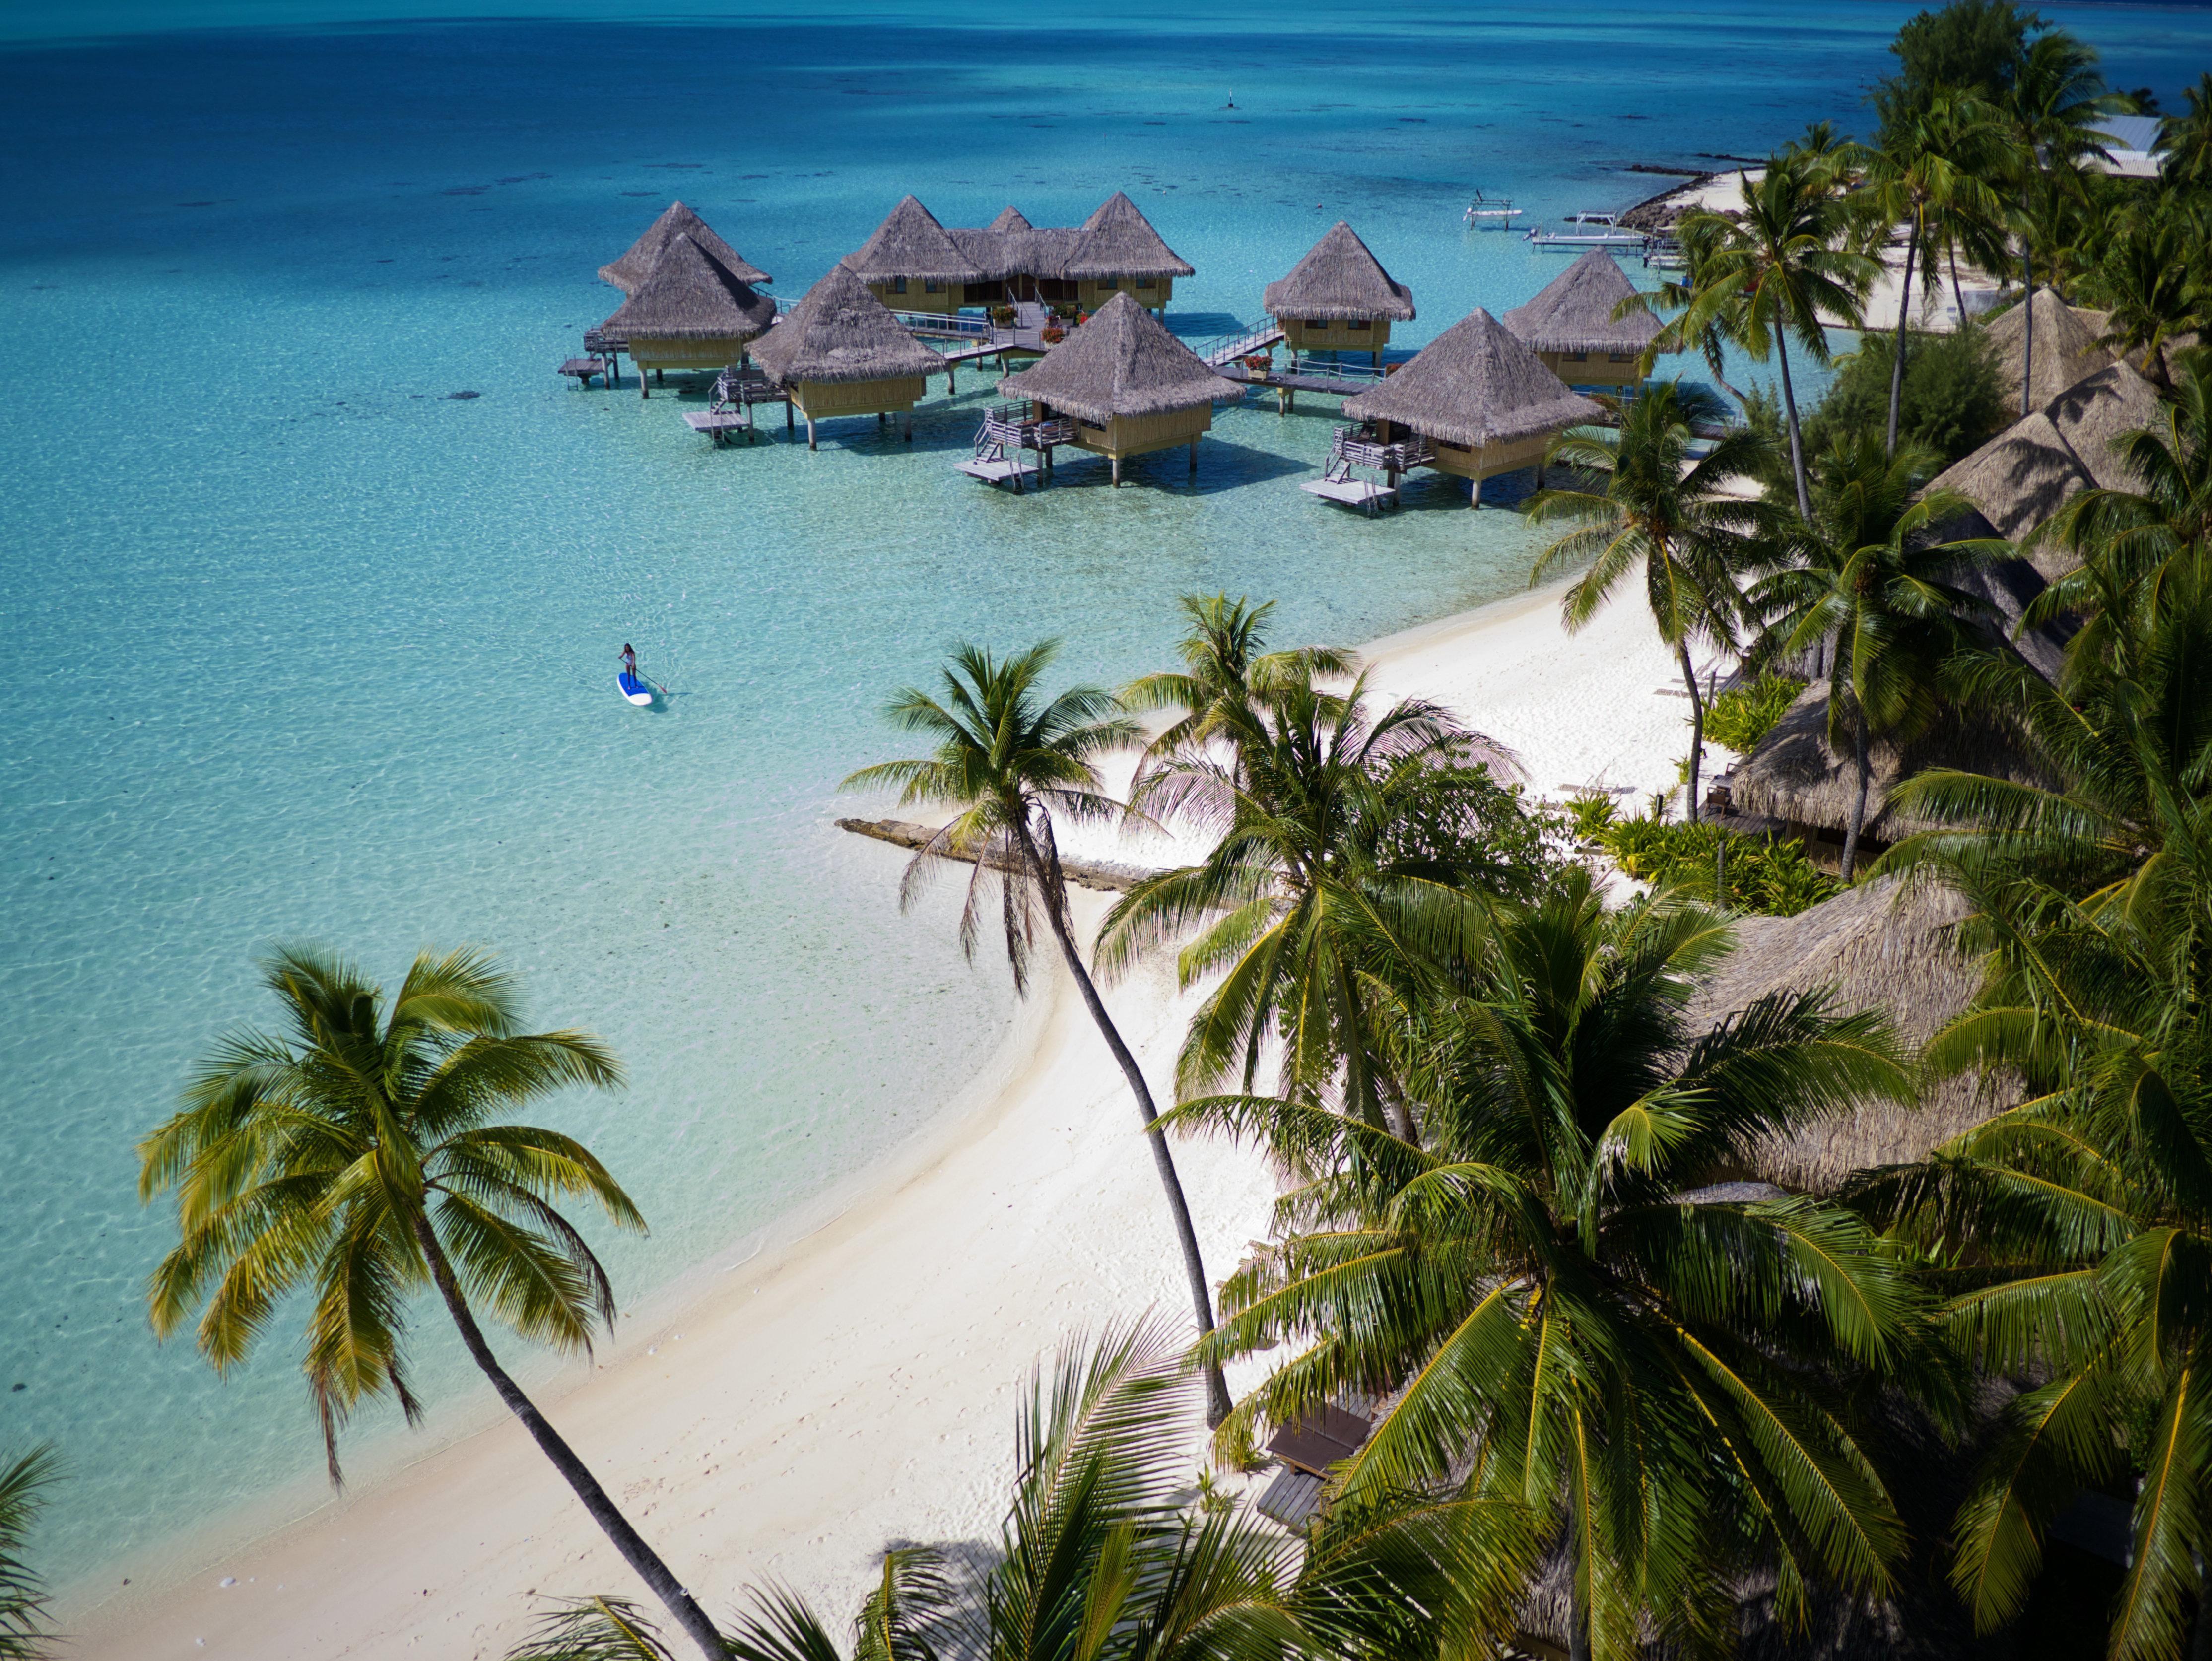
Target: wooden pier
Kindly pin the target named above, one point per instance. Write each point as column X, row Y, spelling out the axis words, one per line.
column 1009, row 436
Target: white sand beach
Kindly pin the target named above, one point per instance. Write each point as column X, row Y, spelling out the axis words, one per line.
column 788, row 1419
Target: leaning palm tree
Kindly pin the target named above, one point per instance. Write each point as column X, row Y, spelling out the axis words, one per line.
column 1009, row 761
column 1771, row 272
column 1666, row 510
column 1098, row 1561
column 1225, row 670
column 1312, row 890
column 362, row 1157
column 1548, row 1289
column 25, row 1632
column 1873, row 577
column 1931, row 165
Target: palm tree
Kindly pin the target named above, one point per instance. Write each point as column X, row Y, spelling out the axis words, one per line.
column 1545, row 1290
column 361, row 1157
column 1872, row 579
column 1224, row 672
column 1771, row 272
column 25, row 1635
column 1311, row 890
column 2187, row 137
column 2050, row 111
column 1929, row 168
column 1666, row 511
column 1098, row 1561
column 1009, row 761
column 2151, row 279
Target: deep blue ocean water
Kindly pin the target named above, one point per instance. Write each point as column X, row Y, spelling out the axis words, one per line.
column 309, row 648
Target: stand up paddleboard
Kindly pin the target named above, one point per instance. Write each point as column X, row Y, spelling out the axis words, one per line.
column 634, row 689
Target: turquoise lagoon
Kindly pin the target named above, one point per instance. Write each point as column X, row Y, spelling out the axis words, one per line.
column 308, row 646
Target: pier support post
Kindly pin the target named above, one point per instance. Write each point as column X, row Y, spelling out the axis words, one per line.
column 786, row 415
column 909, row 427
column 1114, row 463
column 1539, row 475
column 1474, row 497
column 809, row 432
column 1193, row 458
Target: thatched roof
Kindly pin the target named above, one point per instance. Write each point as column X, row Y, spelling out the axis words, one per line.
column 1792, row 775
column 1475, row 385
column 691, row 294
column 1010, row 218
column 634, row 266
column 910, row 243
column 2091, row 415
column 2066, row 348
column 2019, row 478
column 1574, row 311
column 1122, row 363
column 1118, row 240
column 1887, row 944
column 841, row 332
column 1338, row 278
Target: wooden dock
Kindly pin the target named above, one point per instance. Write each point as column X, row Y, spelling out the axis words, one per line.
column 585, row 367
column 1363, row 494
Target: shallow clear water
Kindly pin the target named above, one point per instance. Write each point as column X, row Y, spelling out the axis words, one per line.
column 308, row 650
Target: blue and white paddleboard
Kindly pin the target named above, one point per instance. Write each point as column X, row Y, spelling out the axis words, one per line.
column 634, row 689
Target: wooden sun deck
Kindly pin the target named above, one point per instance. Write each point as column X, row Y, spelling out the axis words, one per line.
column 1363, row 494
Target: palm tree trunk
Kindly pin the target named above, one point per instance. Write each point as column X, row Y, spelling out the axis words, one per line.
column 1046, row 865
column 1904, row 317
column 2026, row 320
column 640, row 1556
column 1796, row 436
column 1697, row 732
column 1858, row 804
column 1958, row 297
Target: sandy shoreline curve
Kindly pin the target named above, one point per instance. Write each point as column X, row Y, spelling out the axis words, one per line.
column 784, row 1415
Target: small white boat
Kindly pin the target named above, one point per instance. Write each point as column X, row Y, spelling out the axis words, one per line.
column 632, row 687
column 1494, row 212
column 1604, row 239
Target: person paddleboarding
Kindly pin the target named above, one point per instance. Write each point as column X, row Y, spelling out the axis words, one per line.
column 632, row 687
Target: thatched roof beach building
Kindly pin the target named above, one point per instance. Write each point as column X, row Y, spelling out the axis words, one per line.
column 1339, row 298
column 840, row 352
column 1571, row 328
column 1130, row 386
column 1483, row 401
column 691, row 311
column 914, row 264
column 2065, row 349
column 677, row 220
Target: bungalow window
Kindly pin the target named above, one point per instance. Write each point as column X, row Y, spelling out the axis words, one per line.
column 1360, row 323
column 1147, row 283
column 931, row 286
column 1621, row 358
column 1574, row 357
column 1109, row 283
column 898, row 285
column 1446, row 444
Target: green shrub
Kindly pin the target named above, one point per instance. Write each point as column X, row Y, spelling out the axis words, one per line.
column 1772, row 878
column 1591, row 815
column 1952, row 403
column 1742, row 715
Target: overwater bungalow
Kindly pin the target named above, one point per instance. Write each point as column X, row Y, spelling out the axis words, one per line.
column 912, row 263
column 1571, row 327
column 1339, row 298
column 1130, row 386
column 691, row 311
column 840, row 352
column 634, row 266
column 1483, row 402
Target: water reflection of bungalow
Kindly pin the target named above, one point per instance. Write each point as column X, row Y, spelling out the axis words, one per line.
column 1339, row 298
column 1483, row 401
column 914, row 264
column 1570, row 327
column 690, row 312
column 1131, row 386
column 839, row 352
column 634, row 266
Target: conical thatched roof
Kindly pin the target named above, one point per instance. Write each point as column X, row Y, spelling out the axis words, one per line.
column 2093, row 413
column 1574, row 311
column 1118, row 240
column 1887, row 944
column 841, row 332
column 1122, row 363
column 1010, row 219
column 633, row 267
column 692, row 295
column 2019, row 478
column 910, row 243
column 1475, row 385
column 2066, row 348
column 1338, row 278
column 1793, row 775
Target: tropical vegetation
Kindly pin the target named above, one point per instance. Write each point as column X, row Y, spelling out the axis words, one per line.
column 26, row 1629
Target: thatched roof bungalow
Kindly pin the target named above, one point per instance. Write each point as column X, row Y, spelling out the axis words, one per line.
column 1339, row 298
column 2065, row 347
column 915, row 264
column 2092, row 415
column 1483, row 402
column 692, row 311
column 634, row 266
column 1571, row 327
column 840, row 352
column 1887, row 944
column 2019, row 478
column 1129, row 385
